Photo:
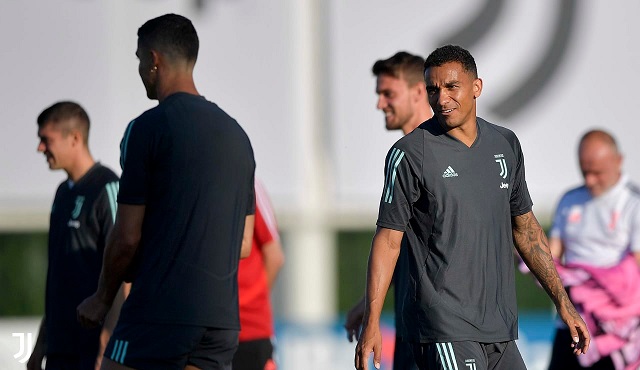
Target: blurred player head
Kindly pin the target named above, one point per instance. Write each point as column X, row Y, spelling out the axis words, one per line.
column 63, row 129
column 600, row 161
column 452, row 86
column 401, row 91
column 167, row 46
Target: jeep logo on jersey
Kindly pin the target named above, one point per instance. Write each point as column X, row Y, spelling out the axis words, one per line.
column 503, row 164
column 78, row 208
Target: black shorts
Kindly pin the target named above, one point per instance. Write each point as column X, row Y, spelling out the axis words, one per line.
column 254, row 355
column 563, row 358
column 468, row 356
column 403, row 356
column 71, row 362
column 170, row 346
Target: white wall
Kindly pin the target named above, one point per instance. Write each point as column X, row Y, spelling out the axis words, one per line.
column 84, row 50
column 594, row 86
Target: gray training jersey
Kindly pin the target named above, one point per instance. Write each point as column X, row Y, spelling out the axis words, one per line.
column 455, row 204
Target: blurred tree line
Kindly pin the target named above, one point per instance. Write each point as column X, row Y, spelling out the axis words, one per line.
column 353, row 252
column 23, row 270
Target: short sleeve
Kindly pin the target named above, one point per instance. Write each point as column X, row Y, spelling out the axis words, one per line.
column 106, row 207
column 520, row 201
column 134, row 160
column 401, row 190
column 266, row 229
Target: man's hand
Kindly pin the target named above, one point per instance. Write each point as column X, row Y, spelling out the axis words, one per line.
column 354, row 321
column 370, row 341
column 385, row 249
column 577, row 328
column 91, row 312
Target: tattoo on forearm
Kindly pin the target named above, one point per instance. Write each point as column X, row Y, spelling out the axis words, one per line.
column 533, row 246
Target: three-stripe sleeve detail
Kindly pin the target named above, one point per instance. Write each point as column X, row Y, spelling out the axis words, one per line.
column 119, row 351
column 125, row 142
column 112, row 193
column 390, row 179
column 447, row 356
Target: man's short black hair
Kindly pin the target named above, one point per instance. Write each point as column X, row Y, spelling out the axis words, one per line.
column 67, row 115
column 171, row 34
column 401, row 65
column 452, row 53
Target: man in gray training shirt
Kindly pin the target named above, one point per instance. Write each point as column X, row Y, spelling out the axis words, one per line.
column 456, row 187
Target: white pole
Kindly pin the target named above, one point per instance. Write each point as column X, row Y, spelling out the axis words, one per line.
column 310, row 287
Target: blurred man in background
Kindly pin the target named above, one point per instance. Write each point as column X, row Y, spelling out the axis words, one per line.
column 455, row 188
column 402, row 97
column 256, row 276
column 185, row 216
column 82, row 215
column 596, row 237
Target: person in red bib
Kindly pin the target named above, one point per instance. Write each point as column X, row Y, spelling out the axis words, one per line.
column 256, row 275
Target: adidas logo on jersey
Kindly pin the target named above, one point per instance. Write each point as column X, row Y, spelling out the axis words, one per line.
column 449, row 172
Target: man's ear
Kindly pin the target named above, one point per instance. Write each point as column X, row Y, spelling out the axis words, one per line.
column 477, row 88
column 155, row 58
column 419, row 91
column 76, row 137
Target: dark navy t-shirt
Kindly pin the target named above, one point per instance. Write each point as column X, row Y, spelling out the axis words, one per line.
column 192, row 167
column 455, row 205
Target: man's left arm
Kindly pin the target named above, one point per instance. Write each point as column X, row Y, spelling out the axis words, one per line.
column 532, row 244
column 119, row 255
column 273, row 257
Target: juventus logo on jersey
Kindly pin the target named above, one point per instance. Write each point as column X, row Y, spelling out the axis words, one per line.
column 78, row 207
column 503, row 164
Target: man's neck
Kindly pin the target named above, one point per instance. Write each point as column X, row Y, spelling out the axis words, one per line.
column 81, row 166
column 467, row 134
column 176, row 82
column 422, row 115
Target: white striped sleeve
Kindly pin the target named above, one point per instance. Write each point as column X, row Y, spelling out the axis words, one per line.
column 263, row 203
column 112, row 193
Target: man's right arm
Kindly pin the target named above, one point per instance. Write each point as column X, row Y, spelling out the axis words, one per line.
column 385, row 249
column 39, row 350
